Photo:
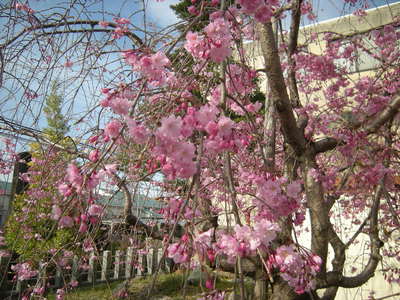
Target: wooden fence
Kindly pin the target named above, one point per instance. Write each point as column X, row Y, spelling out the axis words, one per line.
column 105, row 266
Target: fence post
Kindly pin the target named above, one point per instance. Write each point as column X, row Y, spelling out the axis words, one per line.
column 117, row 262
column 18, row 287
column 3, row 268
column 92, row 271
column 74, row 271
column 128, row 263
column 161, row 259
column 142, row 260
column 150, row 261
column 168, row 264
column 57, row 280
column 105, row 265
column 42, row 276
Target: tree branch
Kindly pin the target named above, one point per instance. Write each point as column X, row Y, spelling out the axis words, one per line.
column 292, row 48
column 279, row 96
column 380, row 119
column 325, row 144
column 129, row 34
column 334, row 279
column 388, row 113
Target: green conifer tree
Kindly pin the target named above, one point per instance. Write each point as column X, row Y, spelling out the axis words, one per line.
column 57, row 125
column 43, row 233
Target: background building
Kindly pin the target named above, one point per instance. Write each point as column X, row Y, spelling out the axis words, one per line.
column 5, row 200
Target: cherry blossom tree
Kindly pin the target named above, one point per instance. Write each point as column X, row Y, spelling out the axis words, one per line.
column 247, row 170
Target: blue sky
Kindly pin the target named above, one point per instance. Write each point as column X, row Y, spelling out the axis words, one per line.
column 160, row 13
column 327, row 9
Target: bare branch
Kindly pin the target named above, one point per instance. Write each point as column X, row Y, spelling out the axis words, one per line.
column 280, row 98
column 62, row 23
column 292, row 48
column 334, row 279
column 325, row 144
column 388, row 113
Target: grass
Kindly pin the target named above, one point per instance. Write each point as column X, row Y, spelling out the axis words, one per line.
column 171, row 285
column 102, row 291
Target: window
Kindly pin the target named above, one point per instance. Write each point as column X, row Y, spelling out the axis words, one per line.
column 360, row 50
column 365, row 55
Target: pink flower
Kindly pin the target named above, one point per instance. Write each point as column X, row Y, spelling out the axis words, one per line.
column 122, row 21
column 94, row 155
column 103, row 24
column 38, row 290
column 120, row 105
column 159, row 60
column 66, row 222
column 170, row 127
column 68, row 64
column 138, row 132
column 178, row 252
column 56, row 212
column 111, row 169
column 24, row 7
column 83, row 228
column 88, row 245
column 65, row 190
column 209, row 284
column 119, row 32
column 225, row 126
column 24, row 271
column 293, row 189
column 95, row 210
column 113, row 129
column 60, row 294
column 192, row 10
column 74, row 175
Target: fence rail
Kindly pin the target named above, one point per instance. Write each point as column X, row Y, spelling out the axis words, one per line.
column 105, row 266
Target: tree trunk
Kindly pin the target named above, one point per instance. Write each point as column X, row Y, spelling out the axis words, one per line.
column 260, row 288
column 282, row 291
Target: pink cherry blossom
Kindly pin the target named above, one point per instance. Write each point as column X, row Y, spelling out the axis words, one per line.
column 94, row 155
column 66, row 222
column 95, row 210
column 113, row 129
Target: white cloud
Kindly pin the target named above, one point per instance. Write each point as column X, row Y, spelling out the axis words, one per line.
column 160, row 13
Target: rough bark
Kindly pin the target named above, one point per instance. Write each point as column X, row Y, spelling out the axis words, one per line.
column 279, row 95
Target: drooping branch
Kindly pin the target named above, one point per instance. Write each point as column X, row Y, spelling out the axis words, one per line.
column 135, row 39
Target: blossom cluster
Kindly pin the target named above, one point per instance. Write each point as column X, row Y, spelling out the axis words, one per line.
column 261, row 10
column 153, row 67
column 296, row 268
column 24, row 271
column 246, row 240
column 214, row 45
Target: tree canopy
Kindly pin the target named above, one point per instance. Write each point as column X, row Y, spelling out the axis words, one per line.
column 275, row 148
